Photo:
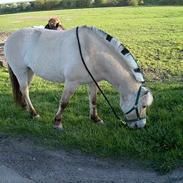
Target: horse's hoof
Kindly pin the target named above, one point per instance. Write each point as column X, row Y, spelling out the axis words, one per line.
column 36, row 116
column 59, row 128
column 101, row 122
column 58, row 124
column 97, row 120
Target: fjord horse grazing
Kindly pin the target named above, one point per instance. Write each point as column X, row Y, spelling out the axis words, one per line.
column 55, row 56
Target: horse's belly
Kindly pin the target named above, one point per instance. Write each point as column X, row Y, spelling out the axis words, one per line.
column 51, row 74
column 52, row 78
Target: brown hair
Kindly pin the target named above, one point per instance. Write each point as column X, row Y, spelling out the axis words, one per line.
column 54, row 24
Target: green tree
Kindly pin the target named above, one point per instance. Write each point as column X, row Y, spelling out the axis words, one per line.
column 83, row 3
column 68, row 3
column 49, row 4
column 133, row 2
column 76, row 3
column 120, row 2
column 25, row 6
column 101, row 2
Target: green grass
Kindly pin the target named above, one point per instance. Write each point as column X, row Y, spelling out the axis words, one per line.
column 154, row 35
column 159, row 145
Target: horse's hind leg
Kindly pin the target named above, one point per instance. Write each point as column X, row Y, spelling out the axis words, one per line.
column 93, row 104
column 69, row 89
column 24, row 82
column 30, row 76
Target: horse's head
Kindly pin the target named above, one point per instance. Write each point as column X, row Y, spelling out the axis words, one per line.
column 134, row 107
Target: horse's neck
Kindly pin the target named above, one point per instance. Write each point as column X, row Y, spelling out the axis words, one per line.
column 120, row 77
column 117, row 72
column 108, row 63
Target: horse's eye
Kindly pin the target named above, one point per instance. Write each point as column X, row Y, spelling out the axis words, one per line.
column 143, row 107
column 146, row 92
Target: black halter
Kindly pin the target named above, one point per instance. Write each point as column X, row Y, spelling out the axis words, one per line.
column 135, row 107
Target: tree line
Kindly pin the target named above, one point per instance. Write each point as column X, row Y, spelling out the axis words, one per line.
column 58, row 4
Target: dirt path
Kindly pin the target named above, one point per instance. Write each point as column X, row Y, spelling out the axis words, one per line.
column 21, row 161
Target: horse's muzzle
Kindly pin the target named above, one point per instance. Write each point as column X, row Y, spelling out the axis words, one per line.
column 137, row 124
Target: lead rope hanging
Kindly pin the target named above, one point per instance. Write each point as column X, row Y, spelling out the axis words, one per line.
column 81, row 55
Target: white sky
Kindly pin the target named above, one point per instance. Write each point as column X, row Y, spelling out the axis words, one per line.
column 13, row 1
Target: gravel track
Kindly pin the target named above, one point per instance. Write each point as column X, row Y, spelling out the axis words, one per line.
column 22, row 161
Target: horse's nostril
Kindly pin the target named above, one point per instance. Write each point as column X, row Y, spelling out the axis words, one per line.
column 136, row 126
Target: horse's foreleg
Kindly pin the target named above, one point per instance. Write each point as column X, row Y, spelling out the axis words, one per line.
column 93, row 103
column 69, row 89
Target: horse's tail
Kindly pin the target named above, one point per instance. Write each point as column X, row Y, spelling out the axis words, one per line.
column 16, row 89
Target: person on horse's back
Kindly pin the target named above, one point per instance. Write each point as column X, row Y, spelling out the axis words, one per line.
column 54, row 24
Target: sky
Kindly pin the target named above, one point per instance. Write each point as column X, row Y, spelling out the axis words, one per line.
column 12, row 1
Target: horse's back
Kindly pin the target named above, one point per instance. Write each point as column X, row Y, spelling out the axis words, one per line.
column 29, row 40
column 54, row 55
column 13, row 47
column 46, row 52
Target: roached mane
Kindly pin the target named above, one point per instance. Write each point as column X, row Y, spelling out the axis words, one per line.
column 122, row 50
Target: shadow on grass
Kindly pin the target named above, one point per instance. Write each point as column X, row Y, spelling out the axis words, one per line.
column 160, row 144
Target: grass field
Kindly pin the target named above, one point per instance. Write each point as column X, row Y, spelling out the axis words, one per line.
column 154, row 35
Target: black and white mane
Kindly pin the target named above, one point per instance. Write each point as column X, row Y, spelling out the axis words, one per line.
column 123, row 51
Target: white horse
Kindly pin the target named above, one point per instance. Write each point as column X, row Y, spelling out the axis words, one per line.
column 55, row 56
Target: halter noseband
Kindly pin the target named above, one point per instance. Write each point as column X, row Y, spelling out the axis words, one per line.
column 135, row 107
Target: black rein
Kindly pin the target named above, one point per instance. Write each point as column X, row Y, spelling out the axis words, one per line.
column 80, row 51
